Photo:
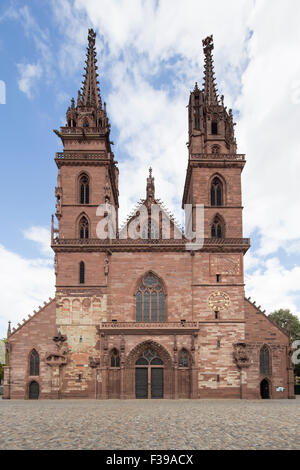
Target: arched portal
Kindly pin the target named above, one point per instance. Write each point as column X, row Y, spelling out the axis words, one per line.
column 265, row 389
column 149, row 372
column 149, row 375
column 34, row 390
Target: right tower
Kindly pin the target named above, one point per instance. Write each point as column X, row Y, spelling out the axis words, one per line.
column 213, row 179
column 214, row 168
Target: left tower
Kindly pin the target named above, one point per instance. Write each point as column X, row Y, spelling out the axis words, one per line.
column 87, row 177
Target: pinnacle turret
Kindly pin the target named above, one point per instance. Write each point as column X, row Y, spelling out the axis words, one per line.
column 150, row 189
column 210, row 90
column 90, row 90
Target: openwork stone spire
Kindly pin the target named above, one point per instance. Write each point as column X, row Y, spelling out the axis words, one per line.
column 150, row 189
column 210, row 91
column 90, row 90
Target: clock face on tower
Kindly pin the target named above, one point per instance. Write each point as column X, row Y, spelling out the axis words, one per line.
column 218, row 301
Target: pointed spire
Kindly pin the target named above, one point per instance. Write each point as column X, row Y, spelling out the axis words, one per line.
column 210, row 91
column 90, row 90
column 150, row 188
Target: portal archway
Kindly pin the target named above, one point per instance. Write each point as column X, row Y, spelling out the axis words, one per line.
column 34, row 390
column 265, row 389
column 149, row 375
column 149, row 372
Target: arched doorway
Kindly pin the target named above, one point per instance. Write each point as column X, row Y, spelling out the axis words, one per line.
column 265, row 389
column 149, row 375
column 34, row 390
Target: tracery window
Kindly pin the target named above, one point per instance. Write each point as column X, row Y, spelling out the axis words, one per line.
column 84, row 189
column 81, row 272
column 183, row 359
column 216, row 228
column 150, row 300
column 264, row 360
column 34, row 363
column 216, row 192
column 149, row 357
column 114, row 358
column 83, row 227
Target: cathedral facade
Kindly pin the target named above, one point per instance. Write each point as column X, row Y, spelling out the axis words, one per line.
column 144, row 312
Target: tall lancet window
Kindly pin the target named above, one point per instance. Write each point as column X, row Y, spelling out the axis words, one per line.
column 81, row 272
column 83, row 228
column 216, row 192
column 264, row 360
column 84, row 189
column 34, row 363
column 150, row 300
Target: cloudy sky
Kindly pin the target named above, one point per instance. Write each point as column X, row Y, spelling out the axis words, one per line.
column 150, row 55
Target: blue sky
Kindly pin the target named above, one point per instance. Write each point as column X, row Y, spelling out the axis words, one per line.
column 150, row 55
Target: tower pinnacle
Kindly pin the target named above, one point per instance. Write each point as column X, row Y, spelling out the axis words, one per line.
column 210, row 91
column 90, row 90
column 150, row 189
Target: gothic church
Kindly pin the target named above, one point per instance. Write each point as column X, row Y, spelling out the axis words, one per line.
column 146, row 317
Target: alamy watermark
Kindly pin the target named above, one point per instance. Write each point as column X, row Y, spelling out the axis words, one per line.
column 296, row 354
column 153, row 223
column 2, row 92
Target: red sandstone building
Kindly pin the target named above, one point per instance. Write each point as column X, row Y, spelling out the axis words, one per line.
column 147, row 317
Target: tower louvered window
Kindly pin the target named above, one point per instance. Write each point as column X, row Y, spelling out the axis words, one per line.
column 83, row 228
column 150, row 300
column 216, row 192
column 84, row 189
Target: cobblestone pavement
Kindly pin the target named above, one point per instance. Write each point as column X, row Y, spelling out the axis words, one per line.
column 150, row 424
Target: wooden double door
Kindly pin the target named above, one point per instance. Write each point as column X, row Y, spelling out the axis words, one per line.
column 149, row 382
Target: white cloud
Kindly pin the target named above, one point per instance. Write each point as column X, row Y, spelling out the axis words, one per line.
column 268, row 128
column 25, row 284
column 41, row 236
column 273, row 286
column 29, row 73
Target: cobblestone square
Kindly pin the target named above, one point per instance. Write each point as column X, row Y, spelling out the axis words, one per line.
column 150, row 424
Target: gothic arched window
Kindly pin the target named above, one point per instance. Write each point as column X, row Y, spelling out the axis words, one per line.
column 183, row 359
column 150, row 300
column 216, row 192
column 34, row 363
column 114, row 358
column 83, row 227
column 264, row 360
column 81, row 272
column 85, row 123
column 84, row 189
column 216, row 228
